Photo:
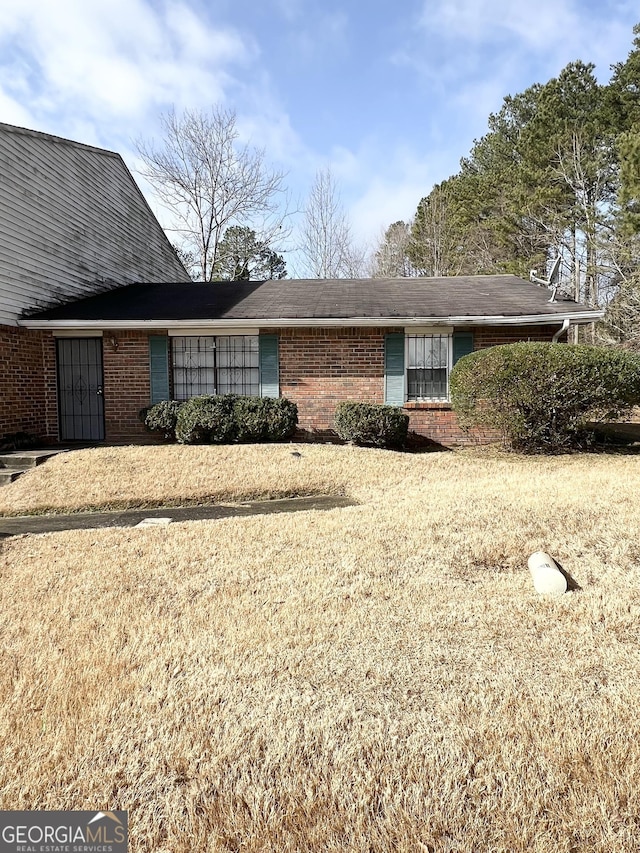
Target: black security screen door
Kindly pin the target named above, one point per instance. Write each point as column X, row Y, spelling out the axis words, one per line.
column 80, row 401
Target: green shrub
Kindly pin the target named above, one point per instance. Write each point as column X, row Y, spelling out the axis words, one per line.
column 162, row 417
column 227, row 418
column 250, row 418
column 541, row 396
column 282, row 419
column 207, row 419
column 371, row 425
column 264, row 418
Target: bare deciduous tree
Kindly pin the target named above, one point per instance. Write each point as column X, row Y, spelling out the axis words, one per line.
column 326, row 240
column 621, row 324
column 391, row 257
column 622, row 320
column 209, row 181
column 434, row 248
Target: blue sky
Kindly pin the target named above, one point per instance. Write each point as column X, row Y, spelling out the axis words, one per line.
column 389, row 95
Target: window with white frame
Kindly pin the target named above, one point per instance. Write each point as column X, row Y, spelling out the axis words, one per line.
column 428, row 360
column 215, row 364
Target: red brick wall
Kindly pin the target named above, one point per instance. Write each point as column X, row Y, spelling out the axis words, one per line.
column 126, row 384
column 24, row 385
column 50, row 380
column 320, row 368
column 28, row 398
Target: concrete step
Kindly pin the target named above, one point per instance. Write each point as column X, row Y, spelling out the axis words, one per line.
column 8, row 475
column 16, row 462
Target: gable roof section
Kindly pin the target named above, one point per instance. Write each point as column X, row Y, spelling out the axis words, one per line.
column 73, row 222
column 500, row 299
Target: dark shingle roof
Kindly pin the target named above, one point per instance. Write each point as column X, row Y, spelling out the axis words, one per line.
column 316, row 300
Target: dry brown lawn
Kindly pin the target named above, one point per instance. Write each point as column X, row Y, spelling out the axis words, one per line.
column 376, row 678
column 120, row 477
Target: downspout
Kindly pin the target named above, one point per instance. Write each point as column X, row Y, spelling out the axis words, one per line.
column 563, row 328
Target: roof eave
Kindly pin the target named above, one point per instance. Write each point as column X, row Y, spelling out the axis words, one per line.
column 576, row 317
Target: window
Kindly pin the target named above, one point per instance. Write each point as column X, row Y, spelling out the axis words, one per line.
column 417, row 364
column 428, row 360
column 224, row 364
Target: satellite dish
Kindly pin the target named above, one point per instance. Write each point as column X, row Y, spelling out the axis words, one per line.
column 552, row 281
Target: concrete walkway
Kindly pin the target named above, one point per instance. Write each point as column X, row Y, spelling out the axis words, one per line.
column 159, row 516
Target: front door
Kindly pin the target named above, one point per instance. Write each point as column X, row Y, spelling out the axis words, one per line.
column 80, row 378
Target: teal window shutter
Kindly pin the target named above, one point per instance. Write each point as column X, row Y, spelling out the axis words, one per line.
column 269, row 367
column 159, row 367
column 462, row 344
column 394, row 369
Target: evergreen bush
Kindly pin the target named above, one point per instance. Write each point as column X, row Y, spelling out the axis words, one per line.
column 264, row 418
column 371, row 425
column 226, row 418
column 540, row 396
column 207, row 419
column 162, row 417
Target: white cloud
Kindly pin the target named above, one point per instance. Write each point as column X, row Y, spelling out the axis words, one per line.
column 500, row 38
column 390, row 184
column 376, row 185
column 538, row 25
column 318, row 36
column 469, row 54
column 556, row 31
column 11, row 112
column 290, row 10
column 270, row 128
column 383, row 202
column 348, row 166
column 113, row 59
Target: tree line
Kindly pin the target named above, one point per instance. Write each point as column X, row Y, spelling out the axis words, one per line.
column 558, row 172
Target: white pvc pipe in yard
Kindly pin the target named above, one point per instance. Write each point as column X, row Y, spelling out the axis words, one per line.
column 547, row 577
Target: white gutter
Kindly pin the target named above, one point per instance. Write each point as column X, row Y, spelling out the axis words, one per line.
column 325, row 322
column 561, row 331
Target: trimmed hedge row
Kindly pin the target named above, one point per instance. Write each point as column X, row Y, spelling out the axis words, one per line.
column 228, row 418
column 371, row 425
column 224, row 419
column 540, row 396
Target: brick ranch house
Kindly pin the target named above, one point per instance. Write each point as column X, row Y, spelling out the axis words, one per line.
column 315, row 342
column 100, row 319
